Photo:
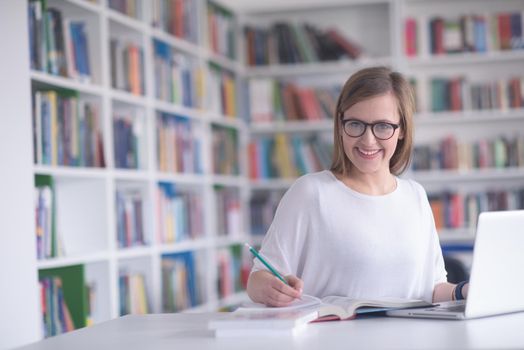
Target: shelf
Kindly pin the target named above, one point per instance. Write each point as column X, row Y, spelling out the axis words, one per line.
column 73, row 260
column 131, row 174
column 224, row 120
column 64, row 171
column 129, row 98
column 224, row 62
column 337, row 67
column 188, row 245
column 126, row 21
column 190, row 179
column 227, row 240
column 171, row 108
column 445, row 176
column 179, row 44
column 291, row 126
column 271, row 184
column 95, row 8
column 456, row 236
column 134, row 252
column 67, row 83
column 469, row 117
column 466, row 59
column 228, row 180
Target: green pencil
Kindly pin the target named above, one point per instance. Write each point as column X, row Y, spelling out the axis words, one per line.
column 271, row 268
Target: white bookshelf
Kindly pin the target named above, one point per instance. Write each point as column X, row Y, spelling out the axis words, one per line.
column 388, row 49
column 86, row 205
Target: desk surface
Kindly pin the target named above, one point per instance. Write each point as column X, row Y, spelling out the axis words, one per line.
column 188, row 331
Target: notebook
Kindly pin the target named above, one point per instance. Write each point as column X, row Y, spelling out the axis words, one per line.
column 255, row 318
column 496, row 282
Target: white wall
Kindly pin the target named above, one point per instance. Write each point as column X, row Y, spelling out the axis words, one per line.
column 19, row 309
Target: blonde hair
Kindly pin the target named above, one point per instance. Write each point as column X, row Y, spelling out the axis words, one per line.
column 365, row 84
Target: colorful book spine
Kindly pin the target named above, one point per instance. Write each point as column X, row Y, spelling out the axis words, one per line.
column 133, row 294
column 178, row 145
column 58, row 45
column 64, row 299
column 68, row 130
column 127, row 66
column 45, row 215
column 457, row 210
column 222, row 89
column 225, row 151
column 130, row 218
column 221, row 29
column 284, row 42
column 233, row 269
column 129, row 8
column 286, row 156
column 450, row 154
column 181, row 283
column 177, row 17
column 274, row 100
column 471, row 33
column 128, row 140
column 228, row 209
column 180, row 214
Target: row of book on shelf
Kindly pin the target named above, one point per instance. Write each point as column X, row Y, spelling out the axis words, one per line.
column 466, row 33
column 179, row 213
column 68, row 298
column 67, row 130
column 458, row 93
column 460, row 210
column 289, row 156
column 284, row 43
column 273, row 100
column 451, row 209
column 284, row 156
column 449, row 153
column 60, row 46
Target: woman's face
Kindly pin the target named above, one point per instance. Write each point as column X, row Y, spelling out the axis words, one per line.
column 367, row 153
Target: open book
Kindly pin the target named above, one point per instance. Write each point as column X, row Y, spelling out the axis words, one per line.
column 254, row 317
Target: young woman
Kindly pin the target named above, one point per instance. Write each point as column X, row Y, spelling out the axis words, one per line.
column 358, row 230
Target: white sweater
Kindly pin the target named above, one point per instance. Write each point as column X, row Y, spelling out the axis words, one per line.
column 342, row 242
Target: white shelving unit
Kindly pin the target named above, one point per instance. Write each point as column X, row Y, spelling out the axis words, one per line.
column 86, row 205
column 384, row 45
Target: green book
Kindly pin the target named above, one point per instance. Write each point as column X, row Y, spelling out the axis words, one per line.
column 74, row 288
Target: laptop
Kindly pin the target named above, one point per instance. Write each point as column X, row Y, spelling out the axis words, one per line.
column 497, row 280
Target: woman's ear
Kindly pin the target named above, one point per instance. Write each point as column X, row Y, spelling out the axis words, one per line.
column 401, row 134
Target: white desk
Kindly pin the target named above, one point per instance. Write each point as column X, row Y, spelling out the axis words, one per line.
column 188, row 331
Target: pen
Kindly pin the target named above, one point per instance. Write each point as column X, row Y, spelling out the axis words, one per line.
column 271, row 268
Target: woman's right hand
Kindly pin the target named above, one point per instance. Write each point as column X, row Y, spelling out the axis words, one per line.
column 263, row 287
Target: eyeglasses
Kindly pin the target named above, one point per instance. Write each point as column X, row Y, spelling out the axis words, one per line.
column 357, row 128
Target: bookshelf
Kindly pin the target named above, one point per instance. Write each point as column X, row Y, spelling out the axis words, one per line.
column 139, row 137
column 401, row 38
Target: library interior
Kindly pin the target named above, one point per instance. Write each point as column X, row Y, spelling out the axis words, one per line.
column 144, row 142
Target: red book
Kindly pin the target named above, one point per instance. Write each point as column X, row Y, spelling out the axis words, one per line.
column 351, row 49
column 410, row 37
column 504, row 21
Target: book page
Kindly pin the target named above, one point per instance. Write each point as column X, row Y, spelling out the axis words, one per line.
column 306, row 301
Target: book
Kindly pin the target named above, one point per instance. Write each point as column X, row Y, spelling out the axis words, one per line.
column 254, row 318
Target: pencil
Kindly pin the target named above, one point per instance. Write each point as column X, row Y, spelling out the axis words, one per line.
column 267, row 264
